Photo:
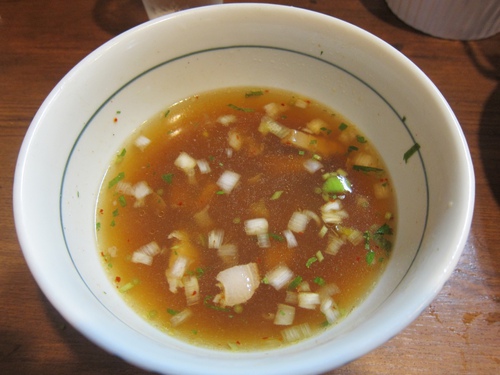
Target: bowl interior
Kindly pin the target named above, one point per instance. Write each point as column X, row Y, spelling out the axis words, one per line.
column 144, row 71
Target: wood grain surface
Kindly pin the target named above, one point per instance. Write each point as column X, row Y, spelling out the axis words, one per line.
column 459, row 333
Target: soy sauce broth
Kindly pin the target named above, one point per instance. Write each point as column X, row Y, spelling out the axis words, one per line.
column 223, row 131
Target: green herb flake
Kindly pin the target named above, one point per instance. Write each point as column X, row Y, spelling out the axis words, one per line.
column 113, row 223
column 220, row 192
column 295, row 283
column 410, row 152
column 313, row 142
column 98, row 226
column 319, row 281
column 122, row 200
column 249, row 94
column 343, row 126
column 117, row 179
column 166, row 113
column 121, row 155
column 172, row 312
column 276, row 195
column 125, row 288
column 364, row 168
column 384, row 229
column 361, row 139
column 310, row 261
column 352, row 148
column 276, row 237
column 168, row 178
column 370, row 257
column 235, row 107
column 302, row 152
column 326, row 130
column 115, row 213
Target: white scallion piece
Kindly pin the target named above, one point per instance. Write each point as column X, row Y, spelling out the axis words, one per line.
column 203, row 218
column 292, row 298
column 215, row 238
column 268, row 125
column 308, row 300
column 181, row 317
column 381, row 190
column 300, row 103
column 203, row 166
column 238, row 284
column 312, row 165
column 296, row 333
column 175, row 273
column 334, row 244
column 229, row 152
column 228, row 253
column 330, row 309
column 279, row 276
column 191, row 290
column 112, row 251
column 263, row 240
column 124, row 187
column 187, row 164
column 228, row 180
column 254, row 227
column 298, row 222
column 291, row 241
column 284, row 315
column 140, row 191
column 226, row 119
column 234, row 140
column 146, row 253
column 332, row 212
column 273, row 110
column 316, row 126
column 142, row 142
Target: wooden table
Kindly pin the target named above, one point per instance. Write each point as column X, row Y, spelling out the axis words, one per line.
column 459, row 333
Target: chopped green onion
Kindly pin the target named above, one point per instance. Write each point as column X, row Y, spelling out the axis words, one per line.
column 172, row 312
column 276, row 237
column 98, row 226
column 384, row 229
column 352, row 148
column 336, row 184
column 370, row 257
column 343, row 126
column 125, row 288
column 276, row 195
column 364, row 168
column 220, row 192
column 313, row 142
column 361, row 139
column 310, row 261
column 167, row 177
column 319, row 280
column 167, row 113
column 326, row 130
column 254, row 93
column 295, row 283
column 410, row 152
column 115, row 213
column 240, row 108
column 302, row 152
column 122, row 201
column 117, row 179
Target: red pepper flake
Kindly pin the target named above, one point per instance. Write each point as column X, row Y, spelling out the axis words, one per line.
column 179, row 203
column 118, row 279
column 237, row 342
column 101, row 211
column 115, row 119
column 358, row 259
column 194, row 293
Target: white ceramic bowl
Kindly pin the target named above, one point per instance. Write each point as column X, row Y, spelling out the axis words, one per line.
column 73, row 137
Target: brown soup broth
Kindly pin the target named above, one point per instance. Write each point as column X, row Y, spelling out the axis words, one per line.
column 267, row 164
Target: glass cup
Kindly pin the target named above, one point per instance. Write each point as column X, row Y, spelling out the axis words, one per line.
column 157, row 8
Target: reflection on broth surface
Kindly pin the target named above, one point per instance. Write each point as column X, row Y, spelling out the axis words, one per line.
column 245, row 218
